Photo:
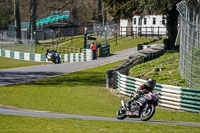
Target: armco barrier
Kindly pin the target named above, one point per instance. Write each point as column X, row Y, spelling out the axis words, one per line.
column 104, row 50
column 138, row 58
column 86, row 55
column 175, row 97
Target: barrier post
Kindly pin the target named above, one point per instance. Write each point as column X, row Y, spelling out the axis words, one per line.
column 85, row 38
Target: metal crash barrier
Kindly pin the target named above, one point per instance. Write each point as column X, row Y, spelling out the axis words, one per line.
column 175, row 97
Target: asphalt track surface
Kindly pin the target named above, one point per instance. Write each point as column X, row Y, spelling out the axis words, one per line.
column 34, row 113
column 34, row 73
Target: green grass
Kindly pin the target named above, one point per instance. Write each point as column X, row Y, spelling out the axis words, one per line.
column 81, row 92
column 169, row 73
column 45, row 125
column 13, row 63
column 39, row 49
column 126, row 43
column 122, row 43
column 76, row 42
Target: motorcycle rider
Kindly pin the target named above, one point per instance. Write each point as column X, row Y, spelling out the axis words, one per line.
column 143, row 89
column 51, row 55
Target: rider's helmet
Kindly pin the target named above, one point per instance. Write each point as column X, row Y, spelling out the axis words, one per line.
column 151, row 83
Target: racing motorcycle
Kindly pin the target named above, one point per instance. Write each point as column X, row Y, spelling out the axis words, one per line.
column 53, row 56
column 134, row 110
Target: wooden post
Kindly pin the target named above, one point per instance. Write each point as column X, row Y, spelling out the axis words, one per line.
column 127, row 31
column 73, row 31
column 121, row 32
column 116, row 37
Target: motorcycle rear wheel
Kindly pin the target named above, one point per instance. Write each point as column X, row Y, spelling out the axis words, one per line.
column 121, row 113
column 147, row 112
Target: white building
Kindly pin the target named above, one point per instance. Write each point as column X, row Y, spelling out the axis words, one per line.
column 145, row 25
column 123, row 26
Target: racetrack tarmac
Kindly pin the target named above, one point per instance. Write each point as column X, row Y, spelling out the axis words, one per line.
column 34, row 73
column 34, row 113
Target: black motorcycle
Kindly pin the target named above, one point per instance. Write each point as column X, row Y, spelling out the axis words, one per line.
column 133, row 110
column 53, row 56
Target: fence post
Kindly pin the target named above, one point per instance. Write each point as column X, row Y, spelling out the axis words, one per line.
column 85, row 38
column 146, row 31
column 131, row 31
column 121, row 32
column 127, row 31
column 116, row 37
column 136, row 31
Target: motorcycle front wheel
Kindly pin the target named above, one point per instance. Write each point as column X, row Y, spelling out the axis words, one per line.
column 121, row 113
column 147, row 112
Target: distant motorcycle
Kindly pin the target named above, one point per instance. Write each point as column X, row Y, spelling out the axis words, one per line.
column 145, row 112
column 53, row 56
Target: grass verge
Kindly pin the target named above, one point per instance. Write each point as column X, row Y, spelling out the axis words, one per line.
column 163, row 69
column 13, row 63
column 33, row 124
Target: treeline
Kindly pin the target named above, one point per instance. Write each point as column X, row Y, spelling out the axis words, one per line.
column 6, row 13
column 83, row 11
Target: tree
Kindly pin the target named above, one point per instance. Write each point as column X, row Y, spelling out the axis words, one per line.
column 6, row 13
column 104, row 15
column 17, row 19
column 33, row 17
column 126, row 8
column 100, row 17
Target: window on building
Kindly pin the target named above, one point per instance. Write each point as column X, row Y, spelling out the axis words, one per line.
column 154, row 21
column 140, row 21
column 135, row 21
column 145, row 21
column 163, row 21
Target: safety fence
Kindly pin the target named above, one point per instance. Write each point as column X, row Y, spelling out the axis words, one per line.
column 143, row 31
column 104, row 50
column 14, row 44
column 189, row 64
column 86, row 55
column 175, row 97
